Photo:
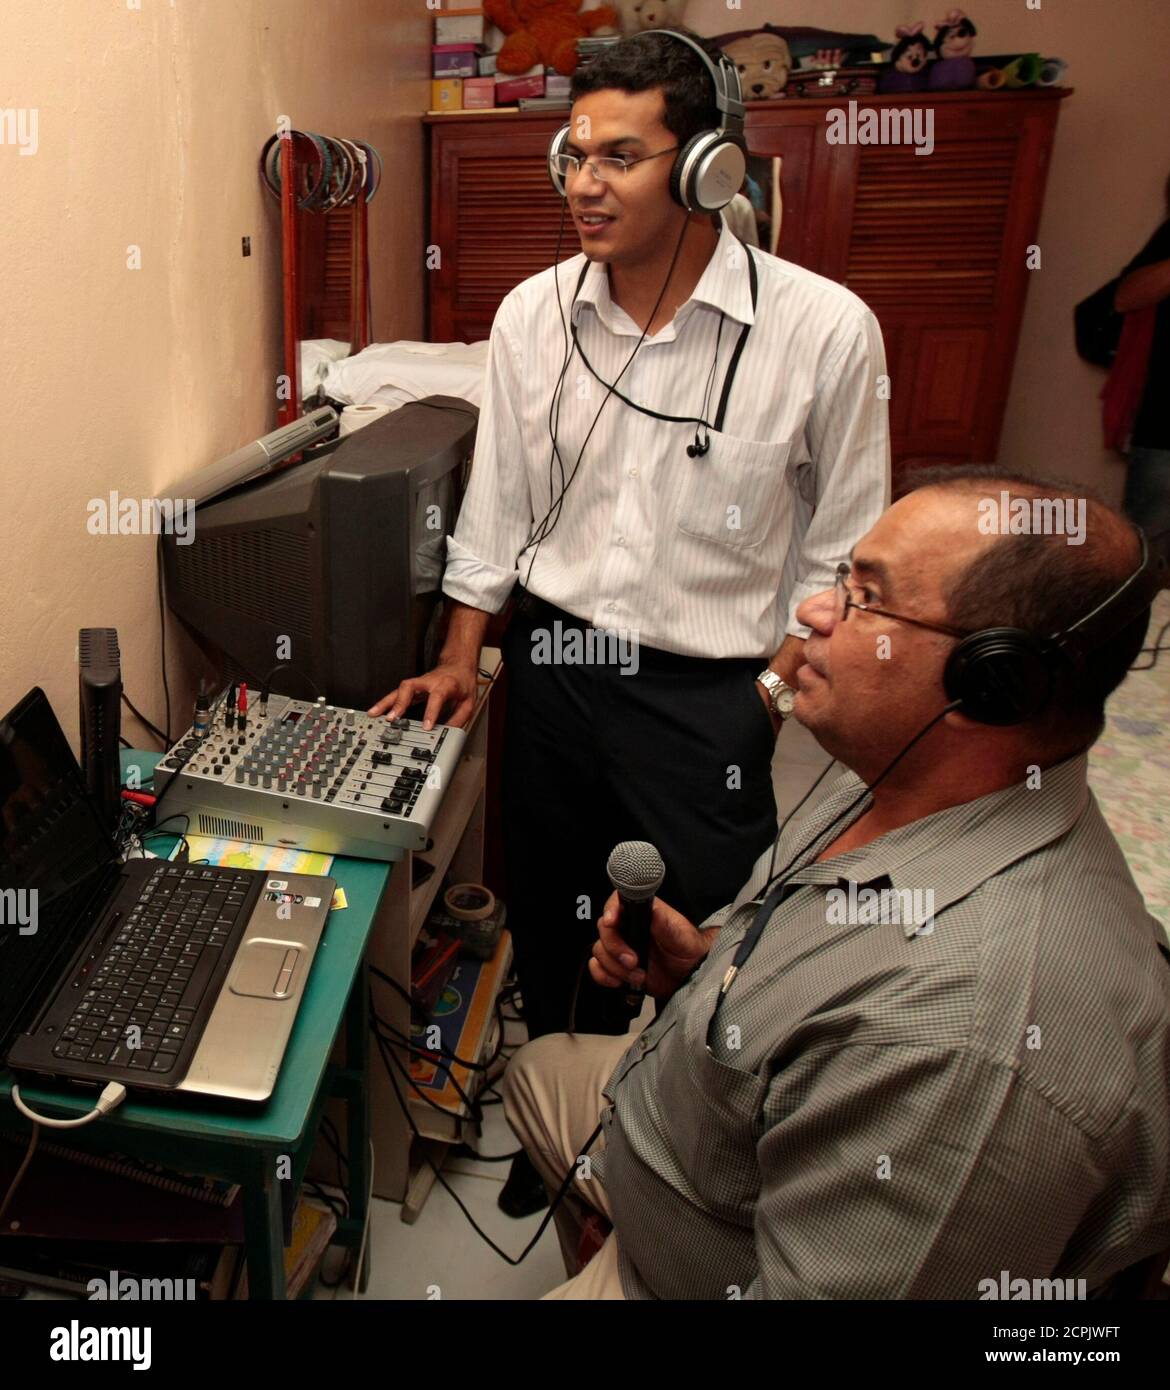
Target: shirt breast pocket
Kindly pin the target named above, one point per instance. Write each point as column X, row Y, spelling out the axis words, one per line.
column 732, row 494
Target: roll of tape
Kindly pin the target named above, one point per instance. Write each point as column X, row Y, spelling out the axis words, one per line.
column 469, row 902
column 1051, row 71
column 356, row 417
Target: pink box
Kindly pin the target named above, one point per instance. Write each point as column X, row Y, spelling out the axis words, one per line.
column 517, row 87
column 479, row 93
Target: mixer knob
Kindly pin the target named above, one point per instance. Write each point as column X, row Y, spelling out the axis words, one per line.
column 282, row 783
column 239, row 774
column 317, row 788
column 267, row 779
column 252, row 778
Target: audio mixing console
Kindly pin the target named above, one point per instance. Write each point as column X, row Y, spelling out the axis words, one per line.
column 311, row 776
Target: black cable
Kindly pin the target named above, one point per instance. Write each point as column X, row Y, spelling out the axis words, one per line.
column 558, row 506
column 1155, row 650
column 544, row 528
column 338, row 1206
column 556, row 1201
column 782, row 877
column 137, row 713
column 333, row 1139
column 265, row 687
column 442, row 1049
column 380, row 1028
column 180, row 835
column 788, row 817
column 469, row 1152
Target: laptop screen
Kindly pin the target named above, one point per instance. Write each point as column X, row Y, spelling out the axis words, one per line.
column 54, row 853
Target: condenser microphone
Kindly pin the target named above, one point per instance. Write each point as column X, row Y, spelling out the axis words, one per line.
column 636, row 871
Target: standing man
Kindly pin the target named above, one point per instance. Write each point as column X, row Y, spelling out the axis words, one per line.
column 660, row 560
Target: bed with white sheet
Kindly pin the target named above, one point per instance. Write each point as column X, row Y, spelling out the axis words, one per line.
column 391, row 374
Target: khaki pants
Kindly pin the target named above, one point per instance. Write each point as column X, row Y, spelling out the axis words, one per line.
column 553, row 1100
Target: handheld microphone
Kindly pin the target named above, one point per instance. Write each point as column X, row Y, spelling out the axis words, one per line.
column 636, row 871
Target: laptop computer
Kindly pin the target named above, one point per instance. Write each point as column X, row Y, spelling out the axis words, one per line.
column 164, row 977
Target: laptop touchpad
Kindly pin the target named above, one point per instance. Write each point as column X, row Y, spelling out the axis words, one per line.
column 265, row 968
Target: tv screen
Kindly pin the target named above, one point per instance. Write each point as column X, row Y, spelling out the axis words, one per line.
column 333, row 565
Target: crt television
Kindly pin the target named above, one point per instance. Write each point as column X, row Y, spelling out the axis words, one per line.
column 333, row 564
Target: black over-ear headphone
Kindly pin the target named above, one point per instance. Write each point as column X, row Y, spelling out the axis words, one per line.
column 708, row 170
column 1004, row 675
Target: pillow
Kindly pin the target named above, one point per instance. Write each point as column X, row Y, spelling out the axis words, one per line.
column 394, row 373
column 316, row 355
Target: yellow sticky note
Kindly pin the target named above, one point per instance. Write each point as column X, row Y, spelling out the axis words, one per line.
column 339, row 900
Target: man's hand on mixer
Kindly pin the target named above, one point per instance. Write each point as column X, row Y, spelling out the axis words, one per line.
column 450, row 684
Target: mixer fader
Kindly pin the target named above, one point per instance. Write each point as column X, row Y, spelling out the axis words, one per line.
column 311, row 776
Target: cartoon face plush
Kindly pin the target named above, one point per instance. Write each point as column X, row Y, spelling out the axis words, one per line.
column 638, row 15
column 763, row 61
column 955, row 36
column 912, row 51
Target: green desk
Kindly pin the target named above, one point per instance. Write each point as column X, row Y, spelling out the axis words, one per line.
column 246, row 1147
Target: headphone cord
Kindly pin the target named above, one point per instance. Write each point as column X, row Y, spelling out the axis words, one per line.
column 543, row 528
column 775, row 880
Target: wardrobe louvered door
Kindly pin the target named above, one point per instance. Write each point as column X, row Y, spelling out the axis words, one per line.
column 494, row 219
column 936, row 244
column 938, row 248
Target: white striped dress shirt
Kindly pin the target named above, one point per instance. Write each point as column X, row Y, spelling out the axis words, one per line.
column 705, row 556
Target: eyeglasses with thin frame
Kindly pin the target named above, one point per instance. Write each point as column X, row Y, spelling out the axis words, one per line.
column 606, row 170
column 845, row 601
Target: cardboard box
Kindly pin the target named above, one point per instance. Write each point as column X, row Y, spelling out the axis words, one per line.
column 453, row 59
column 556, row 84
column 459, row 26
column 487, row 65
column 513, row 88
column 447, row 94
column 479, row 93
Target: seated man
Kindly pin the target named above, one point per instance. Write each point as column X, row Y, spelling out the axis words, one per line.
column 895, row 1103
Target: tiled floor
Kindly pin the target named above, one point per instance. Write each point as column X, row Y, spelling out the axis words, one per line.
column 441, row 1251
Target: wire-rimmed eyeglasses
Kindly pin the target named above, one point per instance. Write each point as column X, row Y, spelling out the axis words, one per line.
column 607, row 170
column 845, row 601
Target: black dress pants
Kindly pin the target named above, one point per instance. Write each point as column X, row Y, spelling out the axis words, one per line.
column 678, row 753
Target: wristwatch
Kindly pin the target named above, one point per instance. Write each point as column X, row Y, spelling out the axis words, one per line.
column 783, row 696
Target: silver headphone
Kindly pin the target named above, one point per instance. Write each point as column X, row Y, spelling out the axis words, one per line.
column 708, row 170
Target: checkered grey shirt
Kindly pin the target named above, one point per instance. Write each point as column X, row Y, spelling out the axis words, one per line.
column 902, row 1110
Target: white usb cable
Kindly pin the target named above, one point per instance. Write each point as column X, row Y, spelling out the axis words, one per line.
column 110, row 1099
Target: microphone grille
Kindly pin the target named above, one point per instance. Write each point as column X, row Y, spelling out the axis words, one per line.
column 636, row 869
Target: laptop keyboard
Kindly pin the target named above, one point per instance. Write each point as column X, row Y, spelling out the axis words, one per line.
column 139, row 1004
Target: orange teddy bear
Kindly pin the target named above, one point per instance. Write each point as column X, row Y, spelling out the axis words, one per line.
column 543, row 31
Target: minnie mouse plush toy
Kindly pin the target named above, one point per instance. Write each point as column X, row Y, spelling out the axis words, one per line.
column 954, row 42
column 909, row 59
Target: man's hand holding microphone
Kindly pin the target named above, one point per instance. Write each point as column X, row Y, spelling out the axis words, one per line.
column 644, row 945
